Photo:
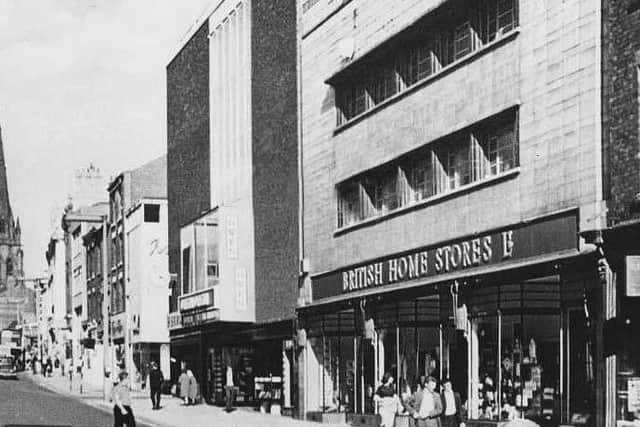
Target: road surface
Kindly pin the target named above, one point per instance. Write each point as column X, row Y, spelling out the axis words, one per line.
column 25, row 404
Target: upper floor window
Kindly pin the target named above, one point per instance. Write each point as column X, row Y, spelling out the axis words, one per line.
column 475, row 154
column 444, row 36
column 151, row 212
column 200, row 241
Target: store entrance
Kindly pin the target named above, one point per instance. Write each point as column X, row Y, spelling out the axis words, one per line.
column 254, row 369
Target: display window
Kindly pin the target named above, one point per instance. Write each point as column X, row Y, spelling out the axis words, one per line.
column 345, row 365
column 626, row 332
column 517, row 374
column 530, row 351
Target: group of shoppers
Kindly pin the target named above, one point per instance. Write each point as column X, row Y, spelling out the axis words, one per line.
column 189, row 388
column 421, row 407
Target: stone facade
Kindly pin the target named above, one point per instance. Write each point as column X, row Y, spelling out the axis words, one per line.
column 549, row 69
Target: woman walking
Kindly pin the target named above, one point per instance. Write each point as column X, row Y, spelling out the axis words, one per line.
column 122, row 412
column 193, row 387
column 184, row 386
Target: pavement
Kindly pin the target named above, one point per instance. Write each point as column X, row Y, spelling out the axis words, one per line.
column 172, row 412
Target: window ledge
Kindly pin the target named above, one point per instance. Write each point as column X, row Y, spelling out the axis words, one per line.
column 431, row 200
column 435, row 76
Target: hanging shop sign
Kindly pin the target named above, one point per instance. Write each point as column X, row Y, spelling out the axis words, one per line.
column 117, row 326
column 519, row 242
column 633, row 275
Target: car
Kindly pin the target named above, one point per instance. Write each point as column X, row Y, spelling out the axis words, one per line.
column 7, row 368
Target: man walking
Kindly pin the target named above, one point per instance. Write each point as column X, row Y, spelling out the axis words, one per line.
column 431, row 406
column 451, row 407
column 155, row 384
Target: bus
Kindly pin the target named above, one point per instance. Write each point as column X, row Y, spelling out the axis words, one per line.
column 7, row 363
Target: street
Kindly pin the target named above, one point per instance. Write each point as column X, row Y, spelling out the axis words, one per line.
column 23, row 403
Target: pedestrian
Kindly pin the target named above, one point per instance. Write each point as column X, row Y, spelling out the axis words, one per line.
column 430, row 406
column 230, row 390
column 193, row 387
column 49, row 365
column 387, row 401
column 155, row 384
column 183, row 380
column 451, row 406
column 122, row 412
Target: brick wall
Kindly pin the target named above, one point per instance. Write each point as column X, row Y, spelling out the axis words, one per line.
column 550, row 70
column 188, row 171
column 621, row 99
column 275, row 158
column 149, row 180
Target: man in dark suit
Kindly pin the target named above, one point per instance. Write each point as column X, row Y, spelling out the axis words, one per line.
column 451, row 406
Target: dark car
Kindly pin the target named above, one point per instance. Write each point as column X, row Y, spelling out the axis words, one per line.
column 7, row 367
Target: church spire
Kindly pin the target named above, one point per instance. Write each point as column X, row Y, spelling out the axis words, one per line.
column 5, row 205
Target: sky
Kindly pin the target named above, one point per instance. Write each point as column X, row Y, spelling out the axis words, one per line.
column 81, row 81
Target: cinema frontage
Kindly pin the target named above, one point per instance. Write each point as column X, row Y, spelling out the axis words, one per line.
column 510, row 315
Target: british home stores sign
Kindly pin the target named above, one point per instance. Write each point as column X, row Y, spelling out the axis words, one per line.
column 521, row 241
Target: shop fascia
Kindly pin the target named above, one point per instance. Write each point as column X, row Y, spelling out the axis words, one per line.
column 555, row 234
column 457, row 256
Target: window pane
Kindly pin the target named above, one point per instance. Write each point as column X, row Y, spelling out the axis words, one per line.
column 151, row 213
column 462, row 40
column 457, row 165
column 186, row 270
column 348, row 204
column 530, row 365
column 212, row 255
column 382, row 191
column 486, row 384
column 419, row 174
column 200, row 256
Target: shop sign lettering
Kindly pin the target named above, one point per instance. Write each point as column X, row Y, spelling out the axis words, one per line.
column 196, row 300
column 198, row 318
column 545, row 236
column 457, row 256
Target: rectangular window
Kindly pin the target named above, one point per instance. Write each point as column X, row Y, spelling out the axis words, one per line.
column 383, row 84
column 419, row 178
column 454, row 156
column 186, row 270
column 212, row 255
column 445, row 36
column 348, row 204
column 381, row 187
column 151, row 213
column 462, row 40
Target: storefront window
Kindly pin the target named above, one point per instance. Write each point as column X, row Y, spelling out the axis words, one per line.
column 517, row 367
column 387, row 361
column 626, row 333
